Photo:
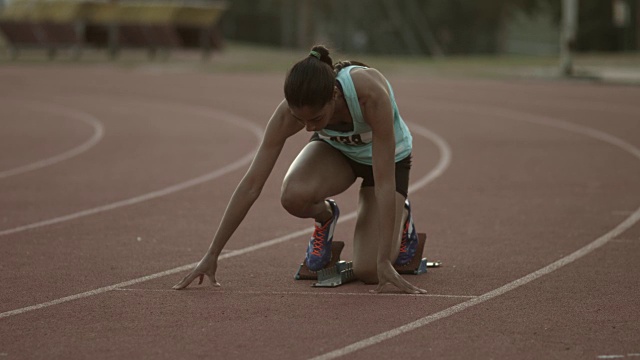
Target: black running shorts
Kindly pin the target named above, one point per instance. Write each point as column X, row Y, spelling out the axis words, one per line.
column 403, row 168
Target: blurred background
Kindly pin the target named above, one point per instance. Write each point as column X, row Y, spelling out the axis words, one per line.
column 433, row 29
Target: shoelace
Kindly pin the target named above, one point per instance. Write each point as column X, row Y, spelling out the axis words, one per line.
column 405, row 238
column 318, row 244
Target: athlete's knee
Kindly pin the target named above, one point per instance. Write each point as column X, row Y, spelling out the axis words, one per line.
column 294, row 199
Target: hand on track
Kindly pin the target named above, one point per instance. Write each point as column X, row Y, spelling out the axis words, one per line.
column 388, row 275
column 207, row 266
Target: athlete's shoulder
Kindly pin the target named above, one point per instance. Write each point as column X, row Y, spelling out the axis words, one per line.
column 282, row 108
column 283, row 111
column 283, row 121
column 369, row 81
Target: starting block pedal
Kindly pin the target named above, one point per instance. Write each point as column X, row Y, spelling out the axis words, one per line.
column 418, row 265
column 304, row 273
column 340, row 273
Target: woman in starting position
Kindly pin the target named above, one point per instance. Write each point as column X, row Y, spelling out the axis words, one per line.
column 357, row 133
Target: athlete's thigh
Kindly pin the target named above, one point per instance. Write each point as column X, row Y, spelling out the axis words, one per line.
column 367, row 235
column 319, row 169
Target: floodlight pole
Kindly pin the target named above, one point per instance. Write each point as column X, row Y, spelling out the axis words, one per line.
column 568, row 31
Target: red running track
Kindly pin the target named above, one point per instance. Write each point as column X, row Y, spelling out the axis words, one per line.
column 534, row 216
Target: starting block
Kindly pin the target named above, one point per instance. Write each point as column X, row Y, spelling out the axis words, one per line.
column 418, row 265
column 304, row 273
column 338, row 272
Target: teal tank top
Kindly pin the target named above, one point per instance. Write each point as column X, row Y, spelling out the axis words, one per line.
column 357, row 144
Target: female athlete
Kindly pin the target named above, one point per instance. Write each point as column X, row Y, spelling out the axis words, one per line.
column 357, row 133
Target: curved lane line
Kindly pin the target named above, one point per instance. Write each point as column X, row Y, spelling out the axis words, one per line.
column 443, row 163
column 602, row 240
column 98, row 133
column 218, row 115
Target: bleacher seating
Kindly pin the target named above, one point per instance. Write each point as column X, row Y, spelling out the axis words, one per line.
column 76, row 24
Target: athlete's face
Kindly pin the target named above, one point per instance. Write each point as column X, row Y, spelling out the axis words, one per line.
column 313, row 118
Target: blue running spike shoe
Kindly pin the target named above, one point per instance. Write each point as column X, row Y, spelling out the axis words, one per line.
column 319, row 250
column 409, row 241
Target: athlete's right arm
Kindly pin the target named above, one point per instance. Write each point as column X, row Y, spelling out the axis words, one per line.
column 280, row 127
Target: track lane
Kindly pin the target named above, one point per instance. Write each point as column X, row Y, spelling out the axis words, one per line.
column 141, row 155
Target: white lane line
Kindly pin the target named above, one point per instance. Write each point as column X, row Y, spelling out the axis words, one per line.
column 610, row 356
column 216, row 115
column 602, row 240
column 310, row 293
column 441, row 166
column 96, row 291
column 98, row 133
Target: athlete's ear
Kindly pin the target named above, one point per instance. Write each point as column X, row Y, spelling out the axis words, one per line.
column 336, row 92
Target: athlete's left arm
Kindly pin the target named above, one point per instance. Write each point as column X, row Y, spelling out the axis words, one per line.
column 373, row 92
column 378, row 113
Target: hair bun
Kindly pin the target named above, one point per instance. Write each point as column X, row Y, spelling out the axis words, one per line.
column 321, row 53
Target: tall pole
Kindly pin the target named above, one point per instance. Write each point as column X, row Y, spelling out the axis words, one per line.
column 568, row 31
column 637, row 23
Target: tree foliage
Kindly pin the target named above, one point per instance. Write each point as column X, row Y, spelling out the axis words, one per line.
column 389, row 26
